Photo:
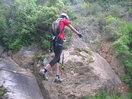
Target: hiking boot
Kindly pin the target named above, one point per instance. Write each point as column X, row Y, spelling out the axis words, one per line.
column 43, row 75
column 58, row 80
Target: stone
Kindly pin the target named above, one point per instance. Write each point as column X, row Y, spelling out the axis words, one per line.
column 19, row 83
column 83, row 80
column 24, row 57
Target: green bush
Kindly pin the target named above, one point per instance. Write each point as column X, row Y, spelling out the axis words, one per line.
column 3, row 28
column 115, row 10
column 23, row 22
column 104, row 95
column 122, row 45
column 46, row 15
column 19, row 25
column 91, row 8
column 56, row 3
column 2, row 92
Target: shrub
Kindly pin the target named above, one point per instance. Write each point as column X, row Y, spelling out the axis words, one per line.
column 2, row 92
column 91, row 8
column 3, row 28
column 24, row 22
column 56, row 3
column 86, row 4
column 122, row 45
column 104, row 95
column 46, row 15
column 115, row 10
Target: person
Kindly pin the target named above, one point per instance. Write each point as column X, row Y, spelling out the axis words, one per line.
column 57, row 47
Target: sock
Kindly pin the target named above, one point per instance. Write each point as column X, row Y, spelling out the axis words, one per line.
column 58, row 76
column 45, row 71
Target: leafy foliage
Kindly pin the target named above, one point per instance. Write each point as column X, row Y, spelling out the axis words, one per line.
column 104, row 95
column 103, row 2
column 19, row 26
column 45, row 17
column 56, row 3
column 122, row 45
column 2, row 91
column 25, row 21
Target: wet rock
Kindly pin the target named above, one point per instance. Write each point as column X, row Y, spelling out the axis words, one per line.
column 19, row 83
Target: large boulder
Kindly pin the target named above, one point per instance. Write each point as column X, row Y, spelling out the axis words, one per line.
column 108, row 79
column 25, row 57
column 85, row 73
column 19, row 83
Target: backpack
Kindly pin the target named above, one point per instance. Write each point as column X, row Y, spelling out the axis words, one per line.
column 56, row 27
column 55, row 32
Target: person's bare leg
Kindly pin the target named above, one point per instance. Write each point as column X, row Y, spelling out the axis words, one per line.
column 57, row 71
column 47, row 67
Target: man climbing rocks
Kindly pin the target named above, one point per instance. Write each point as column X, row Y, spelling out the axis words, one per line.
column 58, row 46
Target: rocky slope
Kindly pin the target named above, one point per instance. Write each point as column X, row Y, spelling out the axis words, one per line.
column 20, row 83
column 84, row 73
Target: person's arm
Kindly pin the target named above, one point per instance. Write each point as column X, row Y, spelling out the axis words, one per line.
column 74, row 30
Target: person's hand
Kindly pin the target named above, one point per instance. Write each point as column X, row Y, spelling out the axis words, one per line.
column 80, row 35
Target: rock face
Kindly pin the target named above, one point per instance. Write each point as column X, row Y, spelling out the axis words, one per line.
column 102, row 68
column 25, row 57
column 19, row 83
column 84, row 73
column 107, row 52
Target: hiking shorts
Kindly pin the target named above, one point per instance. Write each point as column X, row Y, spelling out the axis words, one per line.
column 57, row 47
